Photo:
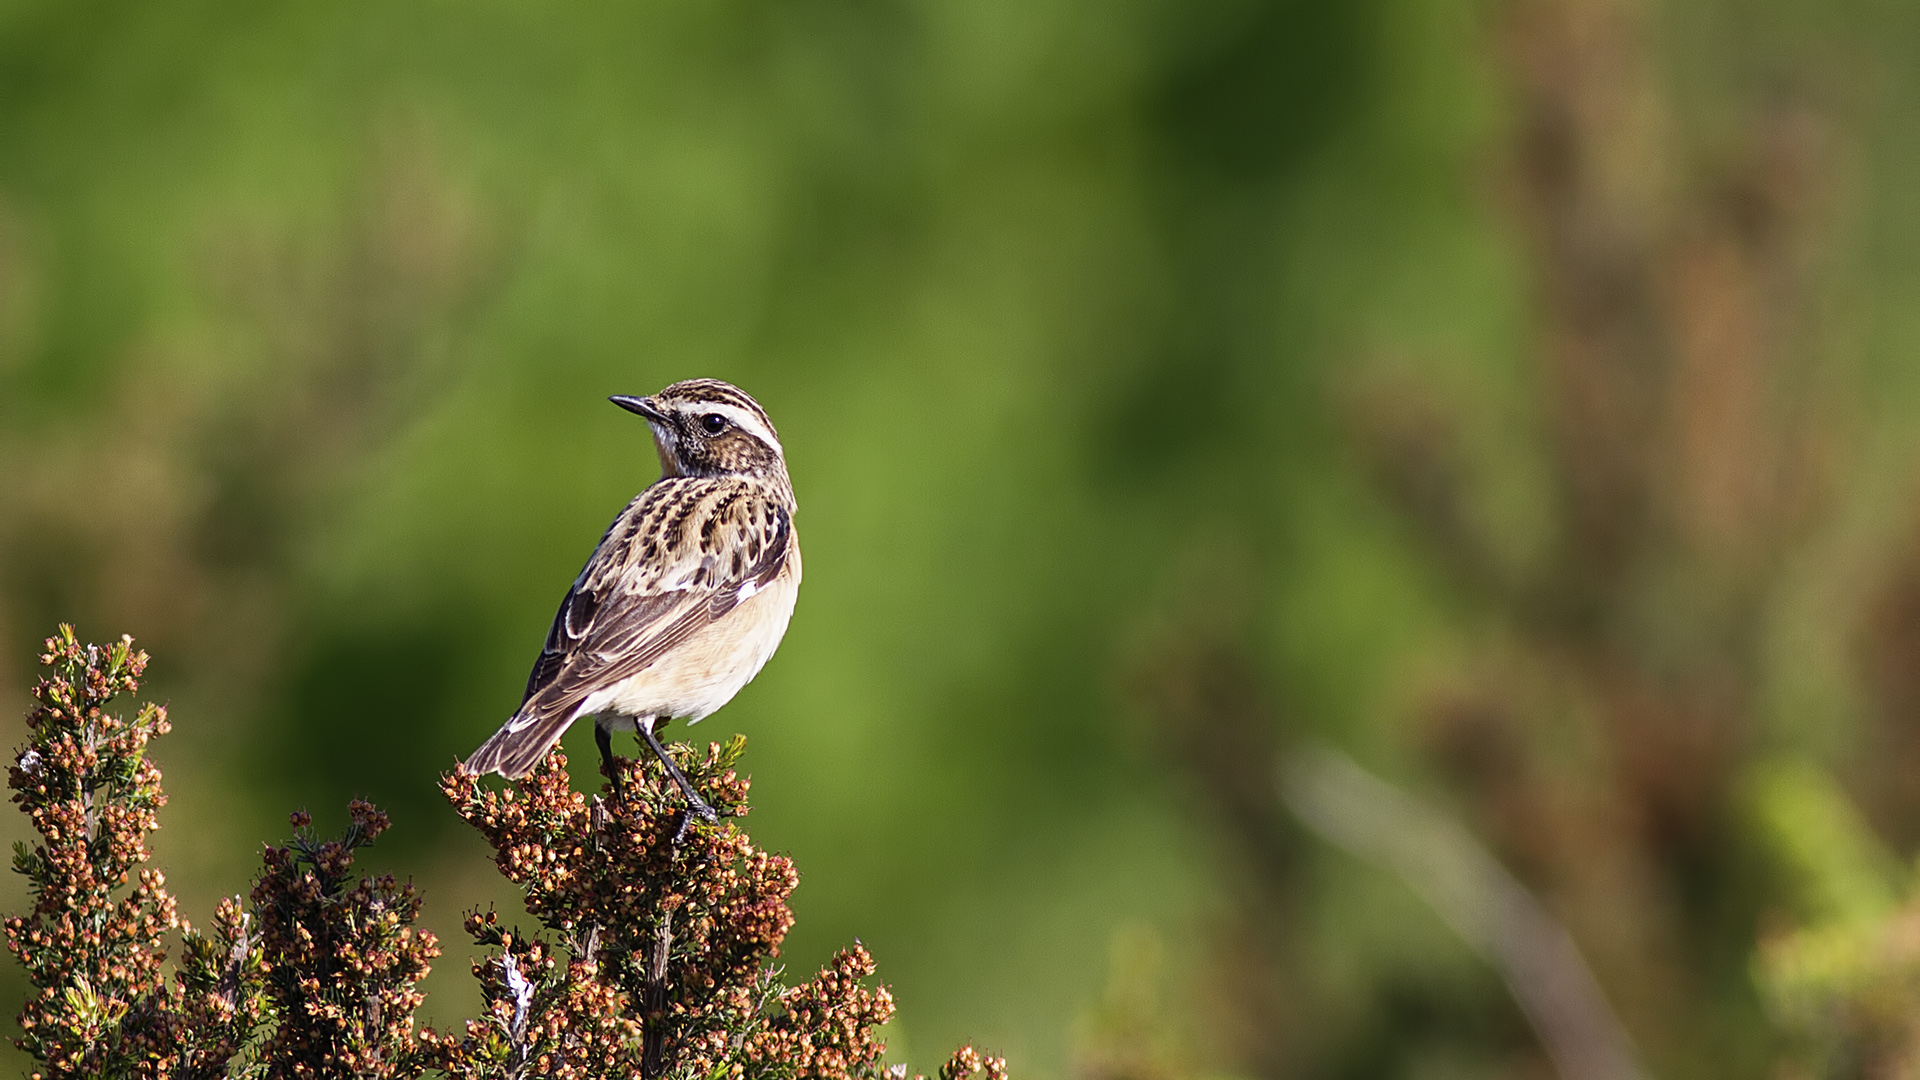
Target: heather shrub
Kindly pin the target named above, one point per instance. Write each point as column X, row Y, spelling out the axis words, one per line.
column 653, row 954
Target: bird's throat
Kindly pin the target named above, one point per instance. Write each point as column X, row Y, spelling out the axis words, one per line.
column 665, row 446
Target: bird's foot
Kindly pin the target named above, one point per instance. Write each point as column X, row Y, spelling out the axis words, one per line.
column 695, row 804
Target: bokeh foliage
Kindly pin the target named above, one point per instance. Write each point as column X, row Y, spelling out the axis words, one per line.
column 1141, row 364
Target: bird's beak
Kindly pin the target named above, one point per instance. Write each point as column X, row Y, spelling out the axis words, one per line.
column 641, row 405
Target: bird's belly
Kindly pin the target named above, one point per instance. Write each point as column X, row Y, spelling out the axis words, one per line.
column 705, row 672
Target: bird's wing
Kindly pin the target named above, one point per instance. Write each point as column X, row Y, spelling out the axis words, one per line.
column 686, row 552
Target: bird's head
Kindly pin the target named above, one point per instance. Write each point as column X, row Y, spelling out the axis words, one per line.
column 705, row 427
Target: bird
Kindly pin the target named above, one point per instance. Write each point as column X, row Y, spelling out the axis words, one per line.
column 684, row 599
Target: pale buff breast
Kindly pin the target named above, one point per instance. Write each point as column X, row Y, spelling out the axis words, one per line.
column 698, row 677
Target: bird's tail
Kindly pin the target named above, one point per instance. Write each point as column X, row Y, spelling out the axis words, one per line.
column 521, row 742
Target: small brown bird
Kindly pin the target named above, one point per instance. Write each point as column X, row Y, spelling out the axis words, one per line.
column 685, row 597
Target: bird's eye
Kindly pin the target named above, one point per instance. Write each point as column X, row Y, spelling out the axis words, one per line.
column 713, row 423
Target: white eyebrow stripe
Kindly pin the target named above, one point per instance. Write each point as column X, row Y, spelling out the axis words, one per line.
column 743, row 419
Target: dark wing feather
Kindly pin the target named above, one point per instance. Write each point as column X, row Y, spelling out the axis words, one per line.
column 636, row 601
column 571, row 624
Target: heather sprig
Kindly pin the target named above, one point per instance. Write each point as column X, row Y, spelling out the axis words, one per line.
column 92, row 943
column 222, row 978
column 343, row 959
column 967, row 1061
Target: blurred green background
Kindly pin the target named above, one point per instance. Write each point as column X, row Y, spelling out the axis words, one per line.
column 1520, row 396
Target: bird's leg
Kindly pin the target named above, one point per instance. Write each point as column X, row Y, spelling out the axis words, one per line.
column 695, row 803
column 603, row 739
